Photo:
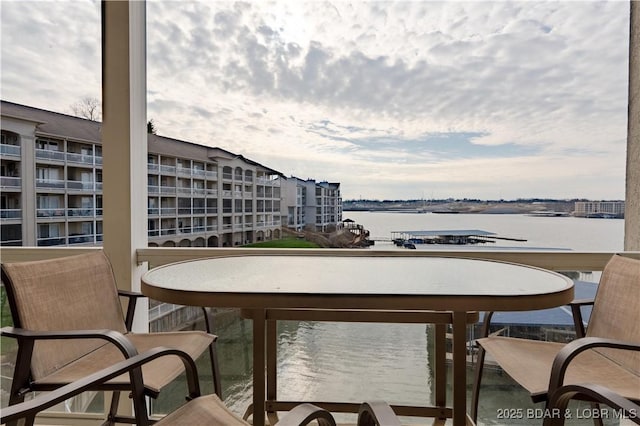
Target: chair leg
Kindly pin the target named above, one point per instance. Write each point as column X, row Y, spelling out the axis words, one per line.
column 215, row 370
column 597, row 421
column 475, row 392
column 213, row 356
column 21, row 377
column 113, row 409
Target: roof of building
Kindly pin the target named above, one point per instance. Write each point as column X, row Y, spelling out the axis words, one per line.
column 54, row 123
column 64, row 126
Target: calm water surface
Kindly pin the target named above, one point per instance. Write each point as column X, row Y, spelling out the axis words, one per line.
column 573, row 233
column 355, row 362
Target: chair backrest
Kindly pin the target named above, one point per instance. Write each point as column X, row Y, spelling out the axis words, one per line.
column 70, row 293
column 616, row 309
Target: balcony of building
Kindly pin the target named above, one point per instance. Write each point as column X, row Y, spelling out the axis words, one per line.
column 50, row 155
column 10, row 144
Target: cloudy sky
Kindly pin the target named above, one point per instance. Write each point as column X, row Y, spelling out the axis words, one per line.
column 405, row 99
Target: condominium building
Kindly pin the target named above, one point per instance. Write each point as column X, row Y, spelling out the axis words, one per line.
column 51, row 183
column 600, row 209
column 328, row 205
column 311, row 205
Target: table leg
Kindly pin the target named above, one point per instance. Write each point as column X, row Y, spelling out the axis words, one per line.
column 459, row 381
column 272, row 368
column 259, row 335
column 440, row 371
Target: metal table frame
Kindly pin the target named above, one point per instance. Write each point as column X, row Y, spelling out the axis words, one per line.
column 270, row 317
column 455, row 286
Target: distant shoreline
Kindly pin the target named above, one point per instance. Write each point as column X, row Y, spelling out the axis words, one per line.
column 455, row 208
column 535, row 207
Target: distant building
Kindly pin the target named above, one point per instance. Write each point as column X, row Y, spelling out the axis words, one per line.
column 311, row 205
column 599, row 209
column 51, row 183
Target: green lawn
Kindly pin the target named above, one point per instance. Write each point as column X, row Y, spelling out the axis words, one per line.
column 285, row 243
column 7, row 344
column 5, row 312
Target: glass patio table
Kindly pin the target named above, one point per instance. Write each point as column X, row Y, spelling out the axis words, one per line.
column 333, row 283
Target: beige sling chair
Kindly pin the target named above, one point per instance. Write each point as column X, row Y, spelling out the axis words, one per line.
column 607, row 355
column 69, row 323
column 198, row 410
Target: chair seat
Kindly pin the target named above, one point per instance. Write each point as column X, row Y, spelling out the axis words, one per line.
column 533, row 372
column 156, row 374
column 205, row 410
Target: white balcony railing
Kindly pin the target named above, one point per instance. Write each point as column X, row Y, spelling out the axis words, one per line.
column 10, row 213
column 10, row 150
column 80, row 158
column 168, row 190
column 81, row 212
column 50, row 183
column 55, row 212
column 75, row 185
column 168, row 169
column 184, row 171
column 47, row 154
column 10, row 182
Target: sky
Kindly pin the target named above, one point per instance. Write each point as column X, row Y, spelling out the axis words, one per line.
column 394, row 100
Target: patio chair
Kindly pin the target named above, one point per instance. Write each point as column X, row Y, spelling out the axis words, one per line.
column 624, row 408
column 69, row 323
column 198, row 410
column 608, row 354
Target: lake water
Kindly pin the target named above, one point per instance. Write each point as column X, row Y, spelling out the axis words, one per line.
column 356, row 362
column 573, row 233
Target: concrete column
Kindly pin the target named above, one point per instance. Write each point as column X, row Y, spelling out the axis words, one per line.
column 124, row 142
column 632, row 199
column 28, row 196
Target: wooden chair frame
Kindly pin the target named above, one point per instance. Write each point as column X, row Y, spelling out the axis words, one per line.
column 301, row 415
column 565, row 355
column 23, row 382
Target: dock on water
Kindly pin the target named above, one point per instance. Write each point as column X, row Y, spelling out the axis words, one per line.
column 447, row 236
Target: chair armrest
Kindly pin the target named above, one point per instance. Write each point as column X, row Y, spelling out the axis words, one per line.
column 132, row 298
column 304, row 414
column 578, row 323
column 572, row 349
column 581, row 302
column 377, row 413
column 130, row 294
column 28, row 337
column 30, row 408
column 560, row 399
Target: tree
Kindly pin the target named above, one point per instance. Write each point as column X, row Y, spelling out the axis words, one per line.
column 151, row 127
column 88, row 107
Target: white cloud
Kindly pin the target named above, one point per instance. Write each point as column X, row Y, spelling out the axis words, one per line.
column 260, row 78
